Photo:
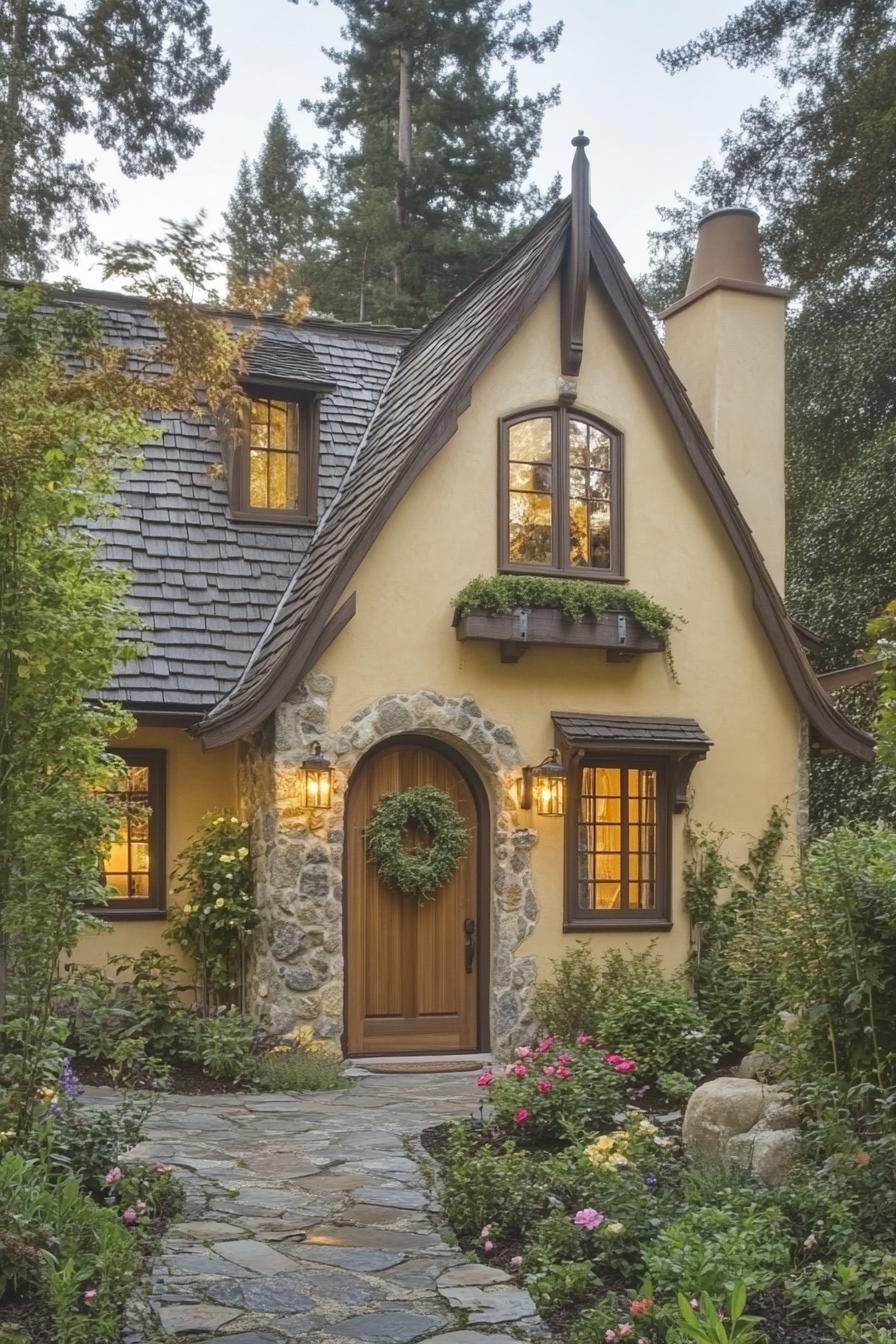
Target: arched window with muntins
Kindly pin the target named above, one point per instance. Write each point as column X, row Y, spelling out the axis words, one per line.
column 560, row 495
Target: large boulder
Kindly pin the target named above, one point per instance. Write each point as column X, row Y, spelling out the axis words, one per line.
column 745, row 1122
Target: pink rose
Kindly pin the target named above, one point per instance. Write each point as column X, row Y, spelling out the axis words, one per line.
column 545, row 1044
column 589, row 1219
column 545, row 1086
column 113, row 1175
column 521, row 1116
column 520, row 1070
column 549, row 1069
column 129, row 1217
column 625, row 1329
column 610, row 1337
column 564, row 1059
column 488, row 1247
column 613, row 1059
column 485, row 1078
column 523, row 1051
column 90, row 1295
column 584, row 1040
column 563, row 1072
column 626, row 1066
column 516, row 1261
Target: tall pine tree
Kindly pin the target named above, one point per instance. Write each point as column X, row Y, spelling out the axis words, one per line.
column 268, row 217
column 134, row 74
column 429, row 146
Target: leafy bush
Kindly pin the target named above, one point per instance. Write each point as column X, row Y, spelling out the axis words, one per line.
column 299, row 1071
column 140, row 999
column 556, row 1264
column 225, row 1045
column 482, row 1186
column 633, row 1007
column 576, row 598
column 851, row 1293
column 706, row 1325
column 552, row 1091
column 707, row 1250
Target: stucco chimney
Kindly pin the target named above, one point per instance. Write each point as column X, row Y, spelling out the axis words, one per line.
column 725, row 339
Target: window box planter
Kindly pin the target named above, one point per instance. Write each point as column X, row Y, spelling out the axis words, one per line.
column 618, row 632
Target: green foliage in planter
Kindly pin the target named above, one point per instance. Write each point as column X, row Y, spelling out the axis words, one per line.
column 214, row 873
column 576, row 598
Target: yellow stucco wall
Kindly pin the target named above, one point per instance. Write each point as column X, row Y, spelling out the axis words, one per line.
column 444, row 532
column 197, row 782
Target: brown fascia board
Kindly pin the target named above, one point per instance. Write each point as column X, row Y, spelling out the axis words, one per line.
column 225, row 727
column 858, row 674
column 830, row 726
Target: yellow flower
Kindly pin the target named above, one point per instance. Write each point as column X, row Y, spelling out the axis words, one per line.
column 218, row 821
column 605, row 1143
column 219, row 902
column 645, row 1127
column 188, row 909
column 617, row 1160
column 615, row 1228
column 235, row 820
column 242, row 852
column 6, row 1134
column 46, row 1094
column 225, row 858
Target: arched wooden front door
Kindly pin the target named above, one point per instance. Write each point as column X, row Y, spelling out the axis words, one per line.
column 412, row 969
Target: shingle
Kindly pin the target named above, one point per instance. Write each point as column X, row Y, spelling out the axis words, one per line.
column 627, row 729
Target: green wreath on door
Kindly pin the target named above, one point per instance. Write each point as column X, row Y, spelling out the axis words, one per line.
column 422, row 870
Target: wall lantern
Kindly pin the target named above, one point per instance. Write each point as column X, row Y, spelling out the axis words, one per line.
column 316, row 778
column 545, row 786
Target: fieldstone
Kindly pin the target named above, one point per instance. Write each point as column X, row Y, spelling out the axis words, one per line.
column 388, row 1327
column 391, row 1199
column 255, row 1255
column 359, row 1258
column 209, row 1231
column 757, row 1064
column 393, row 717
column 490, row 1306
column 279, row 1293
column 193, row 1320
column 772, row 1153
column 287, row 940
column 300, row 979
column 471, row 1276
column 314, row 883
column 470, row 1337
column 253, row 1337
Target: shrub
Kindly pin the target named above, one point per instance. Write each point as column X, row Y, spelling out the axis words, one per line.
column 482, row 1186
column 85, row 1142
column 298, row 1071
column 556, row 1263
column 708, row 1249
column 141, row 998
column 225, row 1045
column 552, row 1091
column 630, row 1005
column 854, row 1293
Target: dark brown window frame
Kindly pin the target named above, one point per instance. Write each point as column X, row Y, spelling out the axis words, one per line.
column 560, row 415
column 304, row 424
column 575, row 920
column 153, row 906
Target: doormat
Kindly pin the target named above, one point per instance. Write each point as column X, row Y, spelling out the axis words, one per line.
column 423, row 1066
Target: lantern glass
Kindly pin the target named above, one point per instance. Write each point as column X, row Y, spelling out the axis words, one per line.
column 317, row 776
column 549, row 790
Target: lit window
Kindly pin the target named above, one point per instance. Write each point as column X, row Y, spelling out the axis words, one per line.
column 618, row 820
column 134, row 867
column 273, row 455
column 561, row 495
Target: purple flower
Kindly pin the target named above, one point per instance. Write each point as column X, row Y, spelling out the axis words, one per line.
column 649, row 1179
column 69, row 1080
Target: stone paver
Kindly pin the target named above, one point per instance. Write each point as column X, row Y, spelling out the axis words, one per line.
column 308, row 1217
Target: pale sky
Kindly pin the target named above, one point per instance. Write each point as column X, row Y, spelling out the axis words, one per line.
column 649, row 131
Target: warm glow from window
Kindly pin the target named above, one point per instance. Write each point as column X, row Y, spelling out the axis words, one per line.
column 126, row 868
column 617, row 839
column 273, row 455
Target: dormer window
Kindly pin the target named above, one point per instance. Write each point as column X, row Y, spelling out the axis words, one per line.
column 560, row 495
column 274, row 466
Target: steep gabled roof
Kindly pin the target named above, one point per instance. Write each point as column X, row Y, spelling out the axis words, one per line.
column 430, row 387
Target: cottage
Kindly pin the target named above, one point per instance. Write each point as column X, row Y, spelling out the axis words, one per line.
column 307, row 656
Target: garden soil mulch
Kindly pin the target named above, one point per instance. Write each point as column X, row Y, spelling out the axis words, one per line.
column 190, row 1081
column 780, row 1324
column 31, row 1316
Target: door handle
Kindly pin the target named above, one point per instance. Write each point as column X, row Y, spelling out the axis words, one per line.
column 469, row 944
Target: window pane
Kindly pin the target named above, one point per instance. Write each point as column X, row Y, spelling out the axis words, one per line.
column 126, row 867
column 617, row 839
column 599, row 448
column 530, row 528
column 578, row 532
column 274, row 460
column 578, row 444
column 278, row 425
column 258, row 479
column 526, row 476
column 530, row 440
column 589, row 497
column 277, row 492
column 600, row 538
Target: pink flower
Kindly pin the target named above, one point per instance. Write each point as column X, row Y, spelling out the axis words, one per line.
column 488, row 1247
column 486, row 1231
column 485, row 1078
column 523, row 1052
column 641, row 1306
column 545, row 1086
column 90, row 1295
column 610, row 1337
column 589, row 1219
column 695, row 1302
column 563, row 1072
column 114, row 1174
column 625, row 1066
column 625, row 1329
column 516, row 1261
column 521, row 1116
column 129, row 1217
column 584, row 1040
column 545, row 1044
column 549, row 1069
column 520, row 1070
column 614, row 1059
column 564, row 1059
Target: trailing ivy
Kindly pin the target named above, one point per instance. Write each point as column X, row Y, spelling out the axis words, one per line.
column 576, row 598
column 422, row 870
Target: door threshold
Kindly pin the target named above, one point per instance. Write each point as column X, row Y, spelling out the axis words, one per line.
column 443, row 1058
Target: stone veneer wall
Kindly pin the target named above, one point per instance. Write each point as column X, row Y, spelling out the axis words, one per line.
column 296, row 976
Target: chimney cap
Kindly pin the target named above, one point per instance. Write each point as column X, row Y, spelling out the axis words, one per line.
column 726, row 256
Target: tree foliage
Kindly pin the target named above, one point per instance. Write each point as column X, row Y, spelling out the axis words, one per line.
column 133, row 74
column 268, row 218
column 819, row 162
column 429, row 146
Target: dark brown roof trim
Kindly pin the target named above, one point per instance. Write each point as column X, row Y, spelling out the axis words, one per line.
column 232, row 722
column 829, row 725
column 811, row 642
column 576, row 266
column 744, row 286
column 859, row 674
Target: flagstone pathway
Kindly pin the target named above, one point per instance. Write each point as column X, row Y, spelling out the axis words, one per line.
column 309, row 1217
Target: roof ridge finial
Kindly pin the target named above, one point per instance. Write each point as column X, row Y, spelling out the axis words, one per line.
column 581, row 141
